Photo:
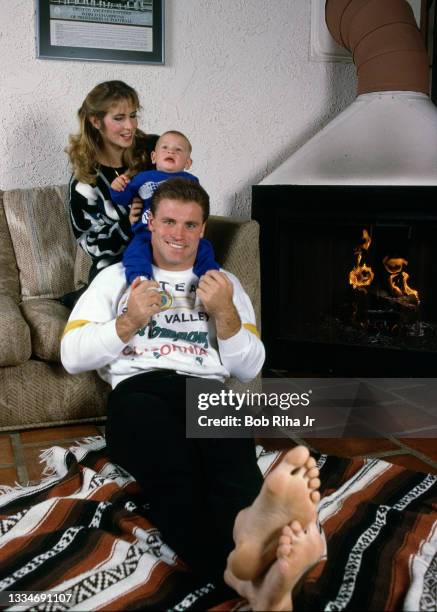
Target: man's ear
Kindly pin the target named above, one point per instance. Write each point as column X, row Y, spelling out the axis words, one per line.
column 189, row 163
column 202, row 233
column 95, row 122
column 150, row 222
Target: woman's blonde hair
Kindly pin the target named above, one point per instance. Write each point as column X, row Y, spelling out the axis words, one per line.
column 84, row 147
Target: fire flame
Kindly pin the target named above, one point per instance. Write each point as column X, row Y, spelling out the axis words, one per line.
column 361, row 275
column 398, row 277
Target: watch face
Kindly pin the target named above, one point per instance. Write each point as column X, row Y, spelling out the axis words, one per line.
column 166, row 300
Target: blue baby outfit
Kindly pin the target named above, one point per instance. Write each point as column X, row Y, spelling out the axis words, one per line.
column 137, row 258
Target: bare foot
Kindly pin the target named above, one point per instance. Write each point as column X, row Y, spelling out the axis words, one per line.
column 289, row 493
column 297, row 552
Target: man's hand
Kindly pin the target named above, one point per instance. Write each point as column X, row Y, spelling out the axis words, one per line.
column 120, row 182
column 216, row 291
column 135, row 210
column 144, row 301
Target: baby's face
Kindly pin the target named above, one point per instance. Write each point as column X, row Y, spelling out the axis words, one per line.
column 172, row 154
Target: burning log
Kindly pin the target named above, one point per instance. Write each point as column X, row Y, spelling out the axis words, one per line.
column 398, row 280
column 373, row 308
column 361, row 276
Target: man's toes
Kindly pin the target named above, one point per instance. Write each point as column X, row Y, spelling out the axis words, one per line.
column 314, row 484
column 315, row 497
column 297, row 457
column 313, row 473
column 310, row 463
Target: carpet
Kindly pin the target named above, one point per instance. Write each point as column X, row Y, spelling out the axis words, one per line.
column 82, row 533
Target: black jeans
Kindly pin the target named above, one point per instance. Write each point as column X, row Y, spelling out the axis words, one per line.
column 194, row 487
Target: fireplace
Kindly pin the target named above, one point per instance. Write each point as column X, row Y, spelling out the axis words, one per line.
column 349, row 221
column 314, row 241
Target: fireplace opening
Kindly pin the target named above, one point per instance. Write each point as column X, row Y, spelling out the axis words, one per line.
column 341, row 292
column 348, row 279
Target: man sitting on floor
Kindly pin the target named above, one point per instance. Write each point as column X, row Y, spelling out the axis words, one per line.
column 145, row 340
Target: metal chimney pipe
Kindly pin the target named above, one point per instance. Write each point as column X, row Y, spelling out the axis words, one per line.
column 386, row 45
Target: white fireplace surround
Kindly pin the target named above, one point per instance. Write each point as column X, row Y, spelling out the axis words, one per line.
column 383, row 138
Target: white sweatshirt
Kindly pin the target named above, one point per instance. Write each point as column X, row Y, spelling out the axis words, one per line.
column 182, row 337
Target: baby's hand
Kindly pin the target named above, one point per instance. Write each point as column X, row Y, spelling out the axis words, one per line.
column 135, row 210
column 120, row 182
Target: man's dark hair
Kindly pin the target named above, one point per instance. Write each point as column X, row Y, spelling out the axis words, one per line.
column 183, row 190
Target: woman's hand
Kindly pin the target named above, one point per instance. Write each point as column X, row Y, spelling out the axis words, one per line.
column 135, row 211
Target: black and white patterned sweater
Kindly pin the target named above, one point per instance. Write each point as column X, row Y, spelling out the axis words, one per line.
column 101, row 227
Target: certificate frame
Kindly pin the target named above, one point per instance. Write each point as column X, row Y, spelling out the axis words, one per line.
column 118, row 31
column 433, row 52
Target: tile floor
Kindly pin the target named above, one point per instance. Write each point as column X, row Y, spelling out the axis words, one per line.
column 20, row 451
column 418, row 454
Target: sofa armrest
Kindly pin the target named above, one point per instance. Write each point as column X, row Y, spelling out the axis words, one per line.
column 15, row 342
column 236, row 245
column 46, row 320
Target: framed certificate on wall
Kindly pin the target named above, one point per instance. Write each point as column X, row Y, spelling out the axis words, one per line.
column 433, row 52
column 130, row 31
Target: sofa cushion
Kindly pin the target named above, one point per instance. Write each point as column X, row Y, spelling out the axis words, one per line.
column 37, row 394
column 46, row 320
column 15, row 343
column 43, row 241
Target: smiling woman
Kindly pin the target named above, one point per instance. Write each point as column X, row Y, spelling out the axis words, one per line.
column 109, row 143
column 117, row 129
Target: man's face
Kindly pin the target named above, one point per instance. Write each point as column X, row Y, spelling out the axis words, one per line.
column 176, row 231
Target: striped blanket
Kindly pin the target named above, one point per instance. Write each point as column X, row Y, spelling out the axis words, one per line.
column 82, row 538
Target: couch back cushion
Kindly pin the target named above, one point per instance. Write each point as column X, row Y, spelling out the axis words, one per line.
column 43, row 242
column 9, row 284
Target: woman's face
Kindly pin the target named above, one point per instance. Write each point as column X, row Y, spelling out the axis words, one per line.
column 118, row 126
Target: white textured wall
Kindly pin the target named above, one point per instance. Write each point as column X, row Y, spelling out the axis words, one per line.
column 237, row 80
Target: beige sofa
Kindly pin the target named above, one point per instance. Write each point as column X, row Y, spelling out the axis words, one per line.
column 39, row 262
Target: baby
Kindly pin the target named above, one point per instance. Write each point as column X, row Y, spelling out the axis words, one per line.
column 172, row 158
